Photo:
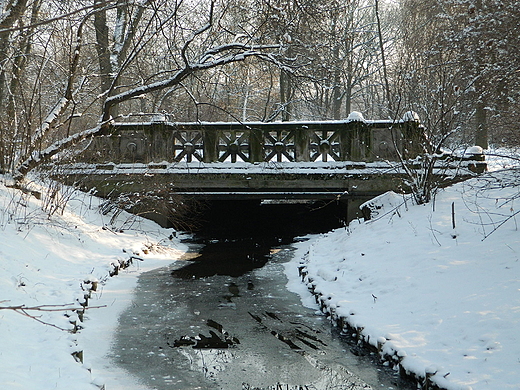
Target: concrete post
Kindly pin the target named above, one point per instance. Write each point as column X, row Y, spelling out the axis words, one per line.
column 301, row 144
column 210, row 144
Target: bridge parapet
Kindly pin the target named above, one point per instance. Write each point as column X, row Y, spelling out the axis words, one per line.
column 354, row 139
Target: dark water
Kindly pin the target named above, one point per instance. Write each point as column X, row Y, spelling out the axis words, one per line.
column 237, row 237
column 224, row 320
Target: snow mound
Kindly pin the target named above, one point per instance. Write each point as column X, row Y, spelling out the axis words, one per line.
column 382, row 204
column 411, row 116
column 355, row 116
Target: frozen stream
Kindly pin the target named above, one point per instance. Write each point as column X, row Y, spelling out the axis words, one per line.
column 225, row 320
column 279, row 340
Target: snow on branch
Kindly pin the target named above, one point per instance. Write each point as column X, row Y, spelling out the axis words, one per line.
column 158, row 85
column 51, row 118
column 41, row 156
column 242, row 48
column 244, row 51
column 59, row 108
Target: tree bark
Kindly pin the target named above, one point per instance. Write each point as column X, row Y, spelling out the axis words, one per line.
column 383, row 59
column 111, row 57
column 102, row 45
column 10, row 16
column 336, row 89
column 285, row 94
column 481, row 131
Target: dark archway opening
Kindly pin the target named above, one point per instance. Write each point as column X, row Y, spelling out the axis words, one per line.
column 235, row 237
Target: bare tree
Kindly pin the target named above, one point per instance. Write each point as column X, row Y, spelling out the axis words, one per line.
column 199, row 44
column 457, row 61
column 11, row 15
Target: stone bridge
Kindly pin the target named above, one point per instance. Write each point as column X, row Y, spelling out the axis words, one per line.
column 254, row 160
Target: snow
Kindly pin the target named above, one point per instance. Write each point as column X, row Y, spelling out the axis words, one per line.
column 352, row 117
column 436, row 300
column 317, row 167
column 475, row 150
column 442, row 301
column 54, row 260
column 411, row 116
column 355, row 116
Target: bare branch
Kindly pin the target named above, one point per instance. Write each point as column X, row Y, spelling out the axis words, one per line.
column 49, row 308
column 24, row 311
column 54, row 19
column 50, row 121
column 197, row 33
column 189, row 69
column 211, row 53
column 39, row 157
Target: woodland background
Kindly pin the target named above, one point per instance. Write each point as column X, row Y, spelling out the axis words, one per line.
column 67, row 68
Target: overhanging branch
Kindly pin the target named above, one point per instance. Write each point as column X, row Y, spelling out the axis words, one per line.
column 26, row 311
column 39, row 157
column 219, row 56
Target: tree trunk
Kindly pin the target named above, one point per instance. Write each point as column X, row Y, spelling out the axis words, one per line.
column 10, row 15
column 102, row 48
column 348, row 97
column 383, row 60
column 336, row 89
column 112, row 57
column 285, row 95
column 20, row 61
column 481, row 131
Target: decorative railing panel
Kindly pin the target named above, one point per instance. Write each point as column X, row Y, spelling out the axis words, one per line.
column 279, row 145
column 234, row 146
column 188, row 145
column 351, row 140
column 325, row 145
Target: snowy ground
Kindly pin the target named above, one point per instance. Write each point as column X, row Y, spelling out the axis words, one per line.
column 47, row 261
column 444, row 300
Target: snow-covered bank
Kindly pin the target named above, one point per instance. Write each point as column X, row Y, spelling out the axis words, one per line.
column 440, row 300
column 52, row 260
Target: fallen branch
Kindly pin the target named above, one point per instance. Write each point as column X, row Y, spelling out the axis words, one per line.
column 24, row 311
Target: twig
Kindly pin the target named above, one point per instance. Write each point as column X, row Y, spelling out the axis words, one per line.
column 23, row 310
column 433, row 230
column 453, row 215
column 500, row 224
column 48, row 308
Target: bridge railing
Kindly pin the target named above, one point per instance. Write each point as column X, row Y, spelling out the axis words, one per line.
column 354, row 139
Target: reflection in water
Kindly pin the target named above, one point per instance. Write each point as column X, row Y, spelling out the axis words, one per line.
column 209, row 362
column 233, row 258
